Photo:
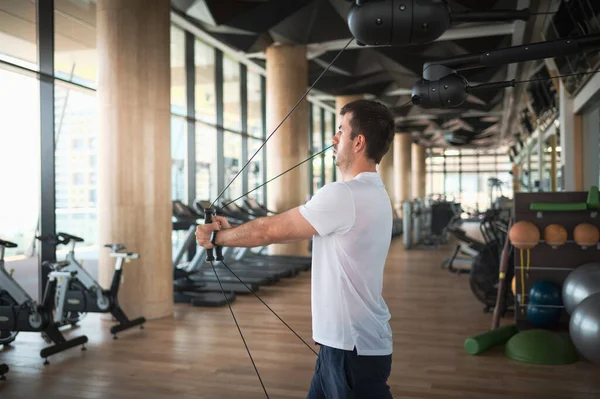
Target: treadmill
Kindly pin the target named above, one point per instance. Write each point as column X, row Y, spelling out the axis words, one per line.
column 184, row 291
column 241, row 266
column 245, row 255
column 195, row 280
column 254, row 209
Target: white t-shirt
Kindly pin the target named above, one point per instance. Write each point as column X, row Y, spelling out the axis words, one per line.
column 354, row 224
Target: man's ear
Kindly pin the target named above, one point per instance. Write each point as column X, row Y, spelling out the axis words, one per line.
column 360, row 143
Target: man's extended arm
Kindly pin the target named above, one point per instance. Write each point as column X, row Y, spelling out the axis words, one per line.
column 286, row 227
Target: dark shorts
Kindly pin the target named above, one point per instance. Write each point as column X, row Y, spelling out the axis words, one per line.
column 341, row 374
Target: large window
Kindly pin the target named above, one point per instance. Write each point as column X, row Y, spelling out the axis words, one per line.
column 328, row 159
column 76, row 155
column 178, row 78
column 232, row 119
column 206, row 162
column 178, row 156
column 255, row 129
column 19, row 160
column 464, row 176
column 316, row 145
column 76, row 160
column 549, row 144
column 452, row 183
column 469, row 191
column 75, row 56
column 322, row 169
column 232, row 106
column 178, row 107
column 233, row 163
column 18, row 37
column 20, row 171
column 255, row 170
column 205, row 94
column 255, row 119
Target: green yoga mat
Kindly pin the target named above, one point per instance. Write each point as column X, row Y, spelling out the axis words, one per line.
column 541, row 347
column 482, row 342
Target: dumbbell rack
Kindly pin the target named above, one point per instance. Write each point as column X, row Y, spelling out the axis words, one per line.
column 548, row 263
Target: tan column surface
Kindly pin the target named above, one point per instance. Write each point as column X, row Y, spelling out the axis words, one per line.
column 134, row 195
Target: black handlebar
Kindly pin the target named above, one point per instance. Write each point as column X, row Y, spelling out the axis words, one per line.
column 59, row 239
column 69, row 237
column 51, row 239
column 7, row 244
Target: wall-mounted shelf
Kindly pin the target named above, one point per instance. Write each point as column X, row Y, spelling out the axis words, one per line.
column 593, row 214
column 547, row 262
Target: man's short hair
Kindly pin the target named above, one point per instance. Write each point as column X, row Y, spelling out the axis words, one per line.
column 374, row 121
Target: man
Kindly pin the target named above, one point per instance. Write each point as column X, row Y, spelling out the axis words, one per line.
column 350, row 222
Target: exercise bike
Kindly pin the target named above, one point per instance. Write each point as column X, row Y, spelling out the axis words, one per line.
column 84, row 294
column 19, row 312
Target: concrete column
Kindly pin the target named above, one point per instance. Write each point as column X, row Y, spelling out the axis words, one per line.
column 386, row 171
column 134, row 196
column 402, row 168
column 340, row 101
column 287, row 80
column 418, row 171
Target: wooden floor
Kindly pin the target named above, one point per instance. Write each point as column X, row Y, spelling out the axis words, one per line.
column 198, row 353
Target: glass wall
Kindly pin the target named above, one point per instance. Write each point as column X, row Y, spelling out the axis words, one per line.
column 232, row 120
column 465, row 175
column 19, row 128
column 76, row 162
column 178, row 156
column 255, row 95
column 256, row 126
column 316, row 145
column 539, row 166
column 205, row 93
column 178, row 123
column 178, row 78
column 232, row 104
column 206, row 162
column 20, row 150
column 75, row 122
column 255, row 170
column 322, row 169
column 232, row 147
column 208, row 175
column 76, row 155
column 329, row 129
column 19, row 161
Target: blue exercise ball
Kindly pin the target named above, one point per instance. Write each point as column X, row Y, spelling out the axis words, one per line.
column 545, row 293
column 543, row 316
column 581, row 283
column 584, row 328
